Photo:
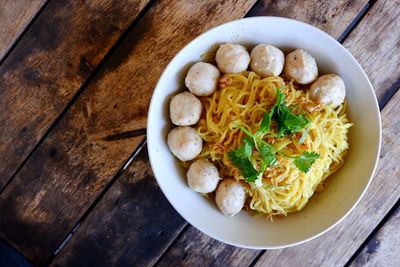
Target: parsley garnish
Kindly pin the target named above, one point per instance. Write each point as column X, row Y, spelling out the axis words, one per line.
column 245, row 150
column 302, row 162
column 288, row 123
column 241, row 157
column 268, row 155
column 266, row 121
column 305, row 160
column 265, row 126
column 249, row 173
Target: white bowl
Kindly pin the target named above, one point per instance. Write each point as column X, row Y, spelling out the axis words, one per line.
column 346, row 186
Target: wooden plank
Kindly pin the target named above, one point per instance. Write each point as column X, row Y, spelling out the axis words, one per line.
column 132, row 229
column 375, row 43
column 384, row 247
column 113, row 235
column 78, row 158
column 14, row 18
column 49, row 65
column 192, row 248
column 332, row 17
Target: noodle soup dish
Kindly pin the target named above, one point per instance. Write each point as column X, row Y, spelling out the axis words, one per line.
column 252, row 133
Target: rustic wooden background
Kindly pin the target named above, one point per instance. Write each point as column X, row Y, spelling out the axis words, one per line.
column 76, row 77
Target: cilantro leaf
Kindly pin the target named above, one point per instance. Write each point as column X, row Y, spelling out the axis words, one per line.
column 288, row 122
column 265, row 126
column 280, row 96
column 245, row 166
column 266, row 121
column 259, row 181
column 266, row 149
column 268, row 155
column 245, row 150
column 270, row 159
column 302, row 165
column 310, row 156
column 306, row 159
column 251, row 179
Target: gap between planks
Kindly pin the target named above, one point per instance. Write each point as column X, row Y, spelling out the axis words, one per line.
column 24, row 31
column 353, row 24
column 374, row 232
column 389, row 94
column 94, row 203
column 126, row 152
column 341, row 39
column 184, row 229
column 108, row 55
column 347, row 31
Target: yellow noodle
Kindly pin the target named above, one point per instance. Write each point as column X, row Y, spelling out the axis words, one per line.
column 243, row 99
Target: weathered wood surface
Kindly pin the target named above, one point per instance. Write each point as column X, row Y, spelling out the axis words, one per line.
column 331, row 16
column 49, row 65
column 35, row 205
column 192, row 247
column 15, row 16
column 132, row 228
column 75, row 162
column 134, row 224
column 375, row 44
column 384, row 248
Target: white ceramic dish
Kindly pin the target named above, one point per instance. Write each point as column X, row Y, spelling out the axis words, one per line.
column 325, row 209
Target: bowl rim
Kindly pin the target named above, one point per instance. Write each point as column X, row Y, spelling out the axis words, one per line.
column 376, row 107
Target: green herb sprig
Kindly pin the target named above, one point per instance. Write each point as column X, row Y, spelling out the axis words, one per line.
column 302, row 162
column 288, row 123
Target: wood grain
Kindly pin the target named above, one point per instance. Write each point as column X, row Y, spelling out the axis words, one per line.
column 375, row 43
column 384, row 248
column 14, row 17
column 332, row 17
column 75, row 162
column 193, row 247
column 125, row 229
column 49, row 65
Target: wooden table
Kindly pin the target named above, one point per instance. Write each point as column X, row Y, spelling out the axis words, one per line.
column 76, row 77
